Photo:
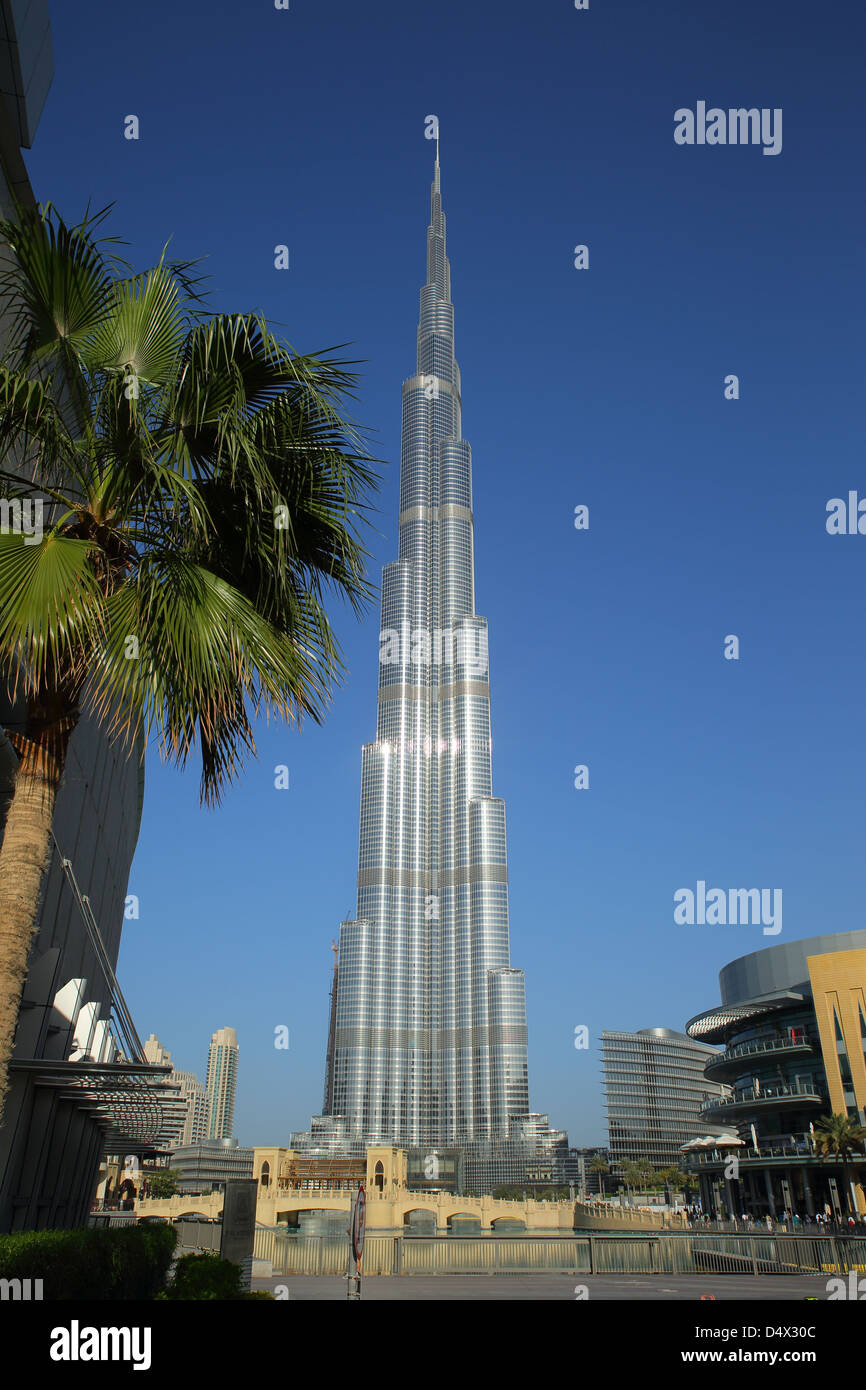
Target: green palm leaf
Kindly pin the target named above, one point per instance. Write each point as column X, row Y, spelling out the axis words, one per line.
column 142, row 329
column 59, row 280
column 50, row 609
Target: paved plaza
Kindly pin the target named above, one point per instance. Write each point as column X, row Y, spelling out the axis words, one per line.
column 481, row 1287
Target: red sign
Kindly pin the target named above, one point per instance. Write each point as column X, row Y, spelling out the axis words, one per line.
column 359, row 1221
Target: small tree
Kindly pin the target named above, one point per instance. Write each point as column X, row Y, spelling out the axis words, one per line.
column 841, row 1138
column 687, row 1181
column 163, row 1183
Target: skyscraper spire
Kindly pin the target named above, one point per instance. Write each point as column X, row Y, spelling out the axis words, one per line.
column 429, row 1042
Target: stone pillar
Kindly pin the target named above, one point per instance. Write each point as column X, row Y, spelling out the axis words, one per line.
column 732, row 1206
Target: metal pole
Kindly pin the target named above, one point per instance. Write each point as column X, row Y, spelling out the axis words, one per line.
column 353, row 1277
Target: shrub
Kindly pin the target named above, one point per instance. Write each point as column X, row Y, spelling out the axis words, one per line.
column 205, row 1277
column 130, row 1262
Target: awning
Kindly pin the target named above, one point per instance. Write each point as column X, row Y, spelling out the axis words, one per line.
column 135, row 1105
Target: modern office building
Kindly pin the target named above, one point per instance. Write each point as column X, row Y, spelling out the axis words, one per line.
column 206, row 1167
column 79, row 1084
column 792, row 1021
column 654, row 1087
column 429, row 1044
column 221, row 1083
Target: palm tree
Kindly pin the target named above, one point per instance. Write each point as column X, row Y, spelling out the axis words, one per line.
column 599, row 1165
column 647, row 1173
column 632, row 1176
column 204, row 494
column 840, row 1137
column 687, row 1181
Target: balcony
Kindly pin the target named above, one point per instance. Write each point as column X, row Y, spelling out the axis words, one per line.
column 730, row 1061
column 775, row 1096
column 786, row 1148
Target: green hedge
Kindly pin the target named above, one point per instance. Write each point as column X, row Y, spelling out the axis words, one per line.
column 207, row 1276
column 130, row 1262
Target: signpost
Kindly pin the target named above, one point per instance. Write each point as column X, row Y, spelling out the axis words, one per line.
column 239, row 1224
column 356, row 1246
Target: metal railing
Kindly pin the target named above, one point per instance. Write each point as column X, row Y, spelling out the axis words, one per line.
column 660, row 1253
column 198, row 1235
column 769, row 1092
column 752, row 1049
column 794, row 1146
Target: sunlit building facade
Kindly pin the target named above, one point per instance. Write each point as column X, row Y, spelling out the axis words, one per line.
column 429, row 1043
column 654, row 1088
column 221, row 1083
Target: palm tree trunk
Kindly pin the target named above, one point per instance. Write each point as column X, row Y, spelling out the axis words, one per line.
column 26, row 851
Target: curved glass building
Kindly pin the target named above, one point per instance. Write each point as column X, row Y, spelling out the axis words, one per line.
column 793, row 1024
column 428, row 1043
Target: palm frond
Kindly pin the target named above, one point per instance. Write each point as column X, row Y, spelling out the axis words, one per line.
column 50, row 610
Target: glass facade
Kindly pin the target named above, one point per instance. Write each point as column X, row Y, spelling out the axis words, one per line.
column 655, row 1087
column 790, row 1022
column 429, row 1038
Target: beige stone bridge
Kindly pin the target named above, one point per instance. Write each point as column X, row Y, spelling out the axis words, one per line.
column 390, row 1203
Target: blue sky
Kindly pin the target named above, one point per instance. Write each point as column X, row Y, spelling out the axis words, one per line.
column 603, row 387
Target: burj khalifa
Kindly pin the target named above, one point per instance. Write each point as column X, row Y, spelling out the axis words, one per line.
column 428, row 1040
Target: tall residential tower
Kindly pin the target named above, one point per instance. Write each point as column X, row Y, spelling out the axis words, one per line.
column 222, row 1081
column 429, row 1039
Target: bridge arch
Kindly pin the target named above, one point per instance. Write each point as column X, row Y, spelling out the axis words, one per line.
column 462, row 1215
column 428, row 1211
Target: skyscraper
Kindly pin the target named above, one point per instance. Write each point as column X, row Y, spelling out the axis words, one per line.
column 221, row 1084
column 655, row 1088
column 429, row 1041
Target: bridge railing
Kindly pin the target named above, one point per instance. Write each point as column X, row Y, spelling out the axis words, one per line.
column 602, row 1253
